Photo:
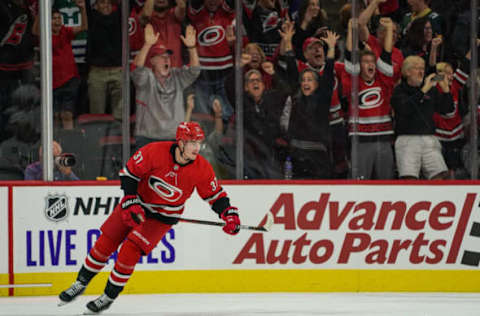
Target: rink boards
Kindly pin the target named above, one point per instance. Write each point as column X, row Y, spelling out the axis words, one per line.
column 327, row 237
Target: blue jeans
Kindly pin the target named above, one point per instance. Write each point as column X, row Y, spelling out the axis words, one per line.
column 206, row 92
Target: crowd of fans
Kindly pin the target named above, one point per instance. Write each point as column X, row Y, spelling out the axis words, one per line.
column 408, row 119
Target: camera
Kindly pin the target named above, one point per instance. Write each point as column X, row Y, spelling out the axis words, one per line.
column 66, row 160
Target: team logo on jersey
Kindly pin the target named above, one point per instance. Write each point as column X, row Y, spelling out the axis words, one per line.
column 17, row 29
column 56, row 207
column 270, row 22
column 132, row 26
column 211, row 35
column 165, row 190
column 370, row 98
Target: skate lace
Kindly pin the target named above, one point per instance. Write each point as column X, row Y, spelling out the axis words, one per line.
column 102, row 301
column 76, row 288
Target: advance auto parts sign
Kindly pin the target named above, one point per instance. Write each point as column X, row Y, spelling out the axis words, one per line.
column 376, row 227
column 316, row 227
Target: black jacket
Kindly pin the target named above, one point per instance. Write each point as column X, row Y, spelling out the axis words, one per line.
column 309, row 118
column 414, row 109
column 104, row 45
column 261, row 123
column 262, row 119
column 16, row 40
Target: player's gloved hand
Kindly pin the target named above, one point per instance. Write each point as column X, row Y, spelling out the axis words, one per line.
column 133, row 213
column 232, row 221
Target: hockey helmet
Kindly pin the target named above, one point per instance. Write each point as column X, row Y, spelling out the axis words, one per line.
column 189, row 131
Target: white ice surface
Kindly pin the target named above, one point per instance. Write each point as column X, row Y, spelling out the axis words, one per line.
column 261, row 304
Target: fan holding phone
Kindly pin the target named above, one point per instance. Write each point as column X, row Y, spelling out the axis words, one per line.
column 438, row 77
column 415, row 100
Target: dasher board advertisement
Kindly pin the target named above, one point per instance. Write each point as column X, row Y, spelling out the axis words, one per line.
column 315, row 227
column 324, row 238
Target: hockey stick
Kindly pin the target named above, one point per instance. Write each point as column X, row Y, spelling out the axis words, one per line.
column 263, row 228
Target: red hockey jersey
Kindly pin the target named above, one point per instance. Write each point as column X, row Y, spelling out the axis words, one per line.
column 449, row 127
column 374, row 111
column 168, row 29
column 397, row 56
column 213, row 49
column 16, row 39
column 163, row 185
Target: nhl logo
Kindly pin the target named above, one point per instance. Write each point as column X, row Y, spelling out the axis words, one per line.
column 56, row 207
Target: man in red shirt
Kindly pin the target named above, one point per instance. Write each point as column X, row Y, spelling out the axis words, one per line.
column 157, row 180
column 166, row 21
column 65, row 73
column 372, row 121
column 213, row 21
column 376, row 43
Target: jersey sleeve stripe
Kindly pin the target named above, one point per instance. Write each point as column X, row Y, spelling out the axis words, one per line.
column 385, row 68
column 460, row 76
column 126, row 173
column 215, row 196
column 351, row 68
column 335, row 108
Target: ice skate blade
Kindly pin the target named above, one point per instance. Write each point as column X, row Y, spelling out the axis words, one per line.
column 89, row 312
column 61, row 303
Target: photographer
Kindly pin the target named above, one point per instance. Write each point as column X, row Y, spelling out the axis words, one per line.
column 63, row 166
column 415, row 101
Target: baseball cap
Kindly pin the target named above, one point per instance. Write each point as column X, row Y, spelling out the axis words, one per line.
column 159, row 50
column 311, row 40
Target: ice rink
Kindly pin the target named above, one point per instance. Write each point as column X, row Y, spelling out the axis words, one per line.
column 280, row 304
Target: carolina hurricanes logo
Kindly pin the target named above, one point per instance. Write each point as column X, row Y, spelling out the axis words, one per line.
column 370, row 98
column 211, row 35
column 132, row 25
column 164, row 189
column 15, row 34
column 270, row 22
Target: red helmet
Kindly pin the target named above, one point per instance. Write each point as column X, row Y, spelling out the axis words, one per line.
column 189, row 131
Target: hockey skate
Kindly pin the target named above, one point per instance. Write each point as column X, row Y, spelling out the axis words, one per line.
column 98, row 305
column 70, row 294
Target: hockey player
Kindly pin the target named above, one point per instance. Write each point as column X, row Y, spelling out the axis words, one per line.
column 157, row 180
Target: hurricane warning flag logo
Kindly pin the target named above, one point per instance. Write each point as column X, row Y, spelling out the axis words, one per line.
column 56, row 207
